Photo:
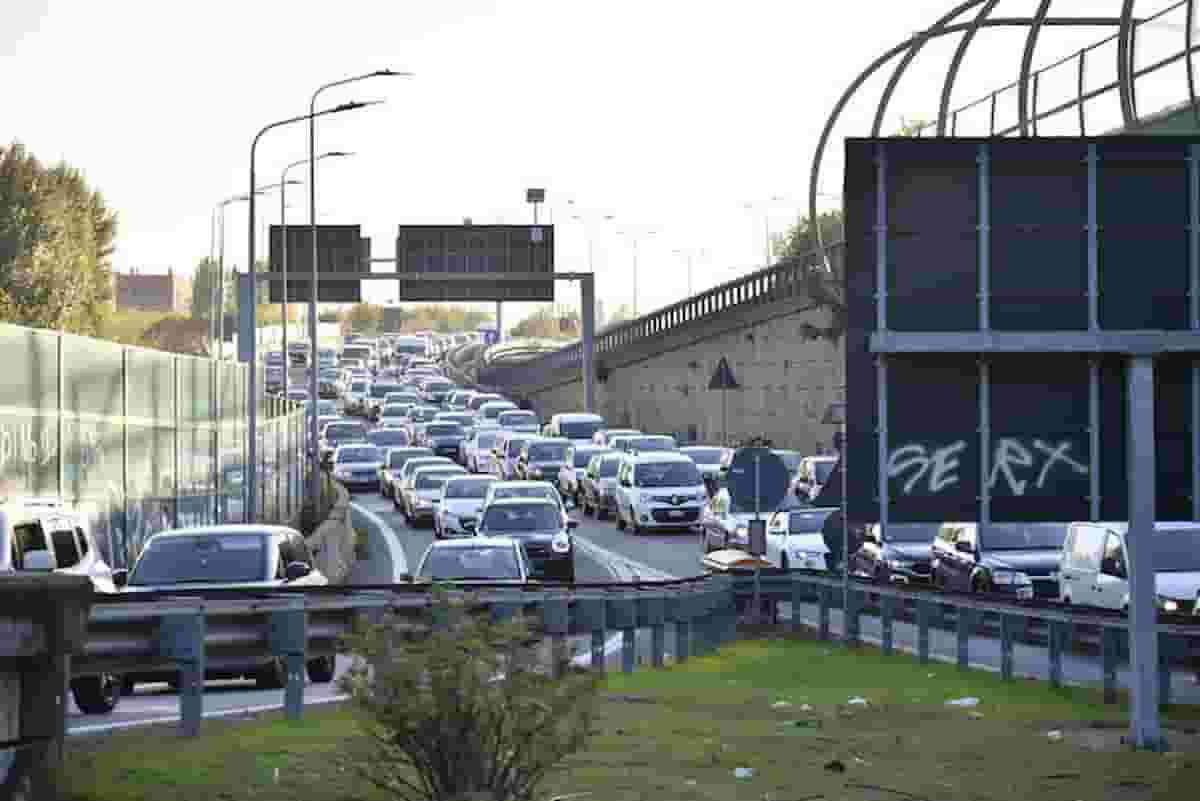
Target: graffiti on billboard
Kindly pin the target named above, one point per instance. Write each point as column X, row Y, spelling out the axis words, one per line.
column 1018, row 466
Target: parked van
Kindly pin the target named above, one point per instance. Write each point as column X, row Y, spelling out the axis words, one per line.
column 1094, row 570
column 579, row 427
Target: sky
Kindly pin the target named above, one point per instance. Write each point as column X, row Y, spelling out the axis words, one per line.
column 691, row 124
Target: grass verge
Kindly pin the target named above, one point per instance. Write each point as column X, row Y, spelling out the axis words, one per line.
column 778, row 707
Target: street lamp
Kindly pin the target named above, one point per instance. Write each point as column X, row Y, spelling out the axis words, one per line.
column 315, row 477
column 284, row 255
column 634, row 235
column 766, row 206
column 252, row 379
column 690, row 254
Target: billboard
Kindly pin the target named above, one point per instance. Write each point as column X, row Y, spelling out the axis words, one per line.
column 951, row 239
column 340, row 248
column 484, row 250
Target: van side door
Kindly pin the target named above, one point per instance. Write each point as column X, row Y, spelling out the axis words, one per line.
column 1112, row 583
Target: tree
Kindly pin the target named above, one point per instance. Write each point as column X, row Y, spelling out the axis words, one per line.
column 363, row 318
column 545, row 324
column 202, row 286
column 56, row 246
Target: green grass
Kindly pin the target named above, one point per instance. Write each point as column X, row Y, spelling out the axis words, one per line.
column 680, row 733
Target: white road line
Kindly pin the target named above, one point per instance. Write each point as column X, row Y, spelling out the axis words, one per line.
column 97, row 728
column 634, row 570
column 395, row 550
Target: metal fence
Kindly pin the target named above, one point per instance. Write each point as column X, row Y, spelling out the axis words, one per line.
column 783, row 281
column 139, row 440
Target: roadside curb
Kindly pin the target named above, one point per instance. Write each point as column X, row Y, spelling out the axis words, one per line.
column 390, row 538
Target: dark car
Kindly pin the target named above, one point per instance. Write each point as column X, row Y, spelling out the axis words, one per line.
column 538, row 525
column 443, row 438
column 437, row 390
column 1018, row 559
column 900, row 553
column 542, row 459
column 335, row 434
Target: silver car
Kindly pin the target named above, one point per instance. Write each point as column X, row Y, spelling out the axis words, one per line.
column 486, row 560
column 460, row 505
column 598, row 487
column 423, row 489
column 357, row 466
column 570, row 476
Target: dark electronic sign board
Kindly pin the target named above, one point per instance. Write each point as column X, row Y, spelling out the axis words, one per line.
column 953, row 237
column 340, row 248
column 489, row 251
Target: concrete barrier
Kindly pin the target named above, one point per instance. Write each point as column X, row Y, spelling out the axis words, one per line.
column 332, row 543
column 44, row 621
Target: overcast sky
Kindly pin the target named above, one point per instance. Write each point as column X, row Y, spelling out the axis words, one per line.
column 669, row 115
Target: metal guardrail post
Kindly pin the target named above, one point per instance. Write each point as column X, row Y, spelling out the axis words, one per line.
column 1008, row 629
column 851, row 618
column 798, row 593
column 1166, row 649
column 678, row 611
column 1110, row 655
column 963, row 628
column 652, row 613
column 823, row 612
column 181, row 638
column 924, row 613
column 589, row 612
column 556, row 621
column 621, row 614
column 288, row 640
column 1054, row 650
column 887, row 614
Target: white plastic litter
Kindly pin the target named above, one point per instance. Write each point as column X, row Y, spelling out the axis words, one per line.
column 781, row 705
column 963, row 702
column 857, row 701
column 1054, row 736
column 743, row 773
column 806, row 708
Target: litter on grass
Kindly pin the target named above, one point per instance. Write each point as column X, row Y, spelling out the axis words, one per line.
column 743, row 773
column 857, row 701
column 781, row 705
column 963, row 702
column 1054, row 736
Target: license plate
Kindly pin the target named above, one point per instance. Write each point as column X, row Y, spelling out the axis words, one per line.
column 675, row 513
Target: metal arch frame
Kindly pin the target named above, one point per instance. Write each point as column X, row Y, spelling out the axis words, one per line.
column 1035, row 27
column 1125, row 63
column 956, row 63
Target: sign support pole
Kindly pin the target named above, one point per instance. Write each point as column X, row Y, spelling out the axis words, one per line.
column 587, row 298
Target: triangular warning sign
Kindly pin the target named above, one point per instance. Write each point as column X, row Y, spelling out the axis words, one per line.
column 723, row 376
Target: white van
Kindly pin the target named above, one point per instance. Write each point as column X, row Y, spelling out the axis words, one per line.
column 663, row 489
column 1094, row 569
column 579, row 427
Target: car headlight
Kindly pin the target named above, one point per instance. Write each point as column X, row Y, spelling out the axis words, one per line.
column 1006, row 577
column 1168, row 605
column 743, row 531
column 424, row 502
column 560, row 544
column 341, row 472
column 899, row 564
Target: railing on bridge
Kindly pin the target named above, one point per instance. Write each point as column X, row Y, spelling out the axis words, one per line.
column 139, row 440
column 784, row 281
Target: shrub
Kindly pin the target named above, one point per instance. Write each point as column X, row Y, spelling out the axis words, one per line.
column 468, row 709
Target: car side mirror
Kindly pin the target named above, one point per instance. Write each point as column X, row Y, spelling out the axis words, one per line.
column 297, row 570
column 964, row 547
column 40, row 560
column 120, row 578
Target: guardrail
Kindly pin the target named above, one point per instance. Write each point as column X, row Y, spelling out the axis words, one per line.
column 187, row 632
column 783, row 281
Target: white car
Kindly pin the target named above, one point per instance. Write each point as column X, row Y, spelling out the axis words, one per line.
column 394, row 461
column 401, row 480
column 519, row 420
column 707, row 459
column 487, row 560
column 357, row 466
column 659, row 490
column 570, row 476
column 578, row 427
column 477, row 451
column 355, row 398
column 423, row 488
column 795, row 540
column 505, row 454
column 811, row 476
column 604, row 436
column 460, row 505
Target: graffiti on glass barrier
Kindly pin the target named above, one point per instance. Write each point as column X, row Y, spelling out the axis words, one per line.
column 1016, row 465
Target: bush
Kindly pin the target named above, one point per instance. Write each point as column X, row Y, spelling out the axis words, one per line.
column 467, row 710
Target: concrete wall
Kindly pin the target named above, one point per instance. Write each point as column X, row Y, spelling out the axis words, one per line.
column 787, row 382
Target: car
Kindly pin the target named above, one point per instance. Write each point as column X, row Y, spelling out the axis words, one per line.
column 411, row 347
column 389, row 438
column 604, row 436
column 327, row 407
column 1095, row 560
column 500, row 490
column 541, row 458
column 505, row 454
column 402, row 396
column 357, row 466
column 519, row 420
column 422, row 489
column 1015, row 559
column 273, row 378
column 467, row 421
column 598, row 487
column 393, row 462
column 659, row 490
column 479, row 399
column 725, row 524
column 478, row 560
column 238, row 556
column 355, row 396
column 457, row 401
column 442, row 438
column 340, row 433
column 707, row 459
column 406, row 470
column 539, row 525
column 645, row 443
column 490, row 411
column 791, row 459
column 898, row 553
column 796, row 538
column 436, row 390
column 47, row 535
column 460, row 505
column 393, row 412
column 578, row 427
column 477, row 451
column 811, row 475
column 375, row 395
column 570, row 475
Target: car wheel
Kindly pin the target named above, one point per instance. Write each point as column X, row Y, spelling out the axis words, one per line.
column 127, row 686
column 271, row 676
column 979, row 585
column 620, row 520
column 321, row 669
column 633, row 524
column 783, row 562
column 96, row 695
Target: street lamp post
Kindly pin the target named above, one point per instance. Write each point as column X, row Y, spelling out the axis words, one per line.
column 689, row 254
column 634, row 236
column 284, row 256
column 314, row 433
column 252, row 379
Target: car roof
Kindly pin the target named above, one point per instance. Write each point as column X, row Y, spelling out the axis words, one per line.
column 658, row 456
column 227, row 528
column 687, row 448
column 576, row 416
column 535, row 439
column 475, row 542
column 506, row 484
column 474, row 476
column 526, row 501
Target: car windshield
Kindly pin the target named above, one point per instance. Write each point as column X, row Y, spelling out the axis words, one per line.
column 388, row 437
column 1177, row 551
column 486, row 441
column 202, row 559
column 367, row 453
column 911, row 532
column 705, row 455
column 396, row 460
column 517, row 418
column 582, row 458
column 438, row 386
column 652, row 444
column 476, row 563
column 495, row 412
column 468, row 488
column 395, row 410
column 608, row 467
column 514, row 447
column 579, row 429
column 666, row 474
column 476, row 403
column 413, row 348
column 444, row 430
column 432, row 479
column 358, row 386
column 1022, row 536
column 806, row 522
column 338, row 431
column 823, row 470
column 791, row 459
column 548, row 451
column 532, row 491
column 523, row 517
column 381, row 390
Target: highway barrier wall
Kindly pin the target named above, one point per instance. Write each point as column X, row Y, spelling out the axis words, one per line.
column 653, row 373
column 139, row 440
column 332, row 543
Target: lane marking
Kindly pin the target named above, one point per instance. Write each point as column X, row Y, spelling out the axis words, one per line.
column 395, row 550
column 637, row 571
